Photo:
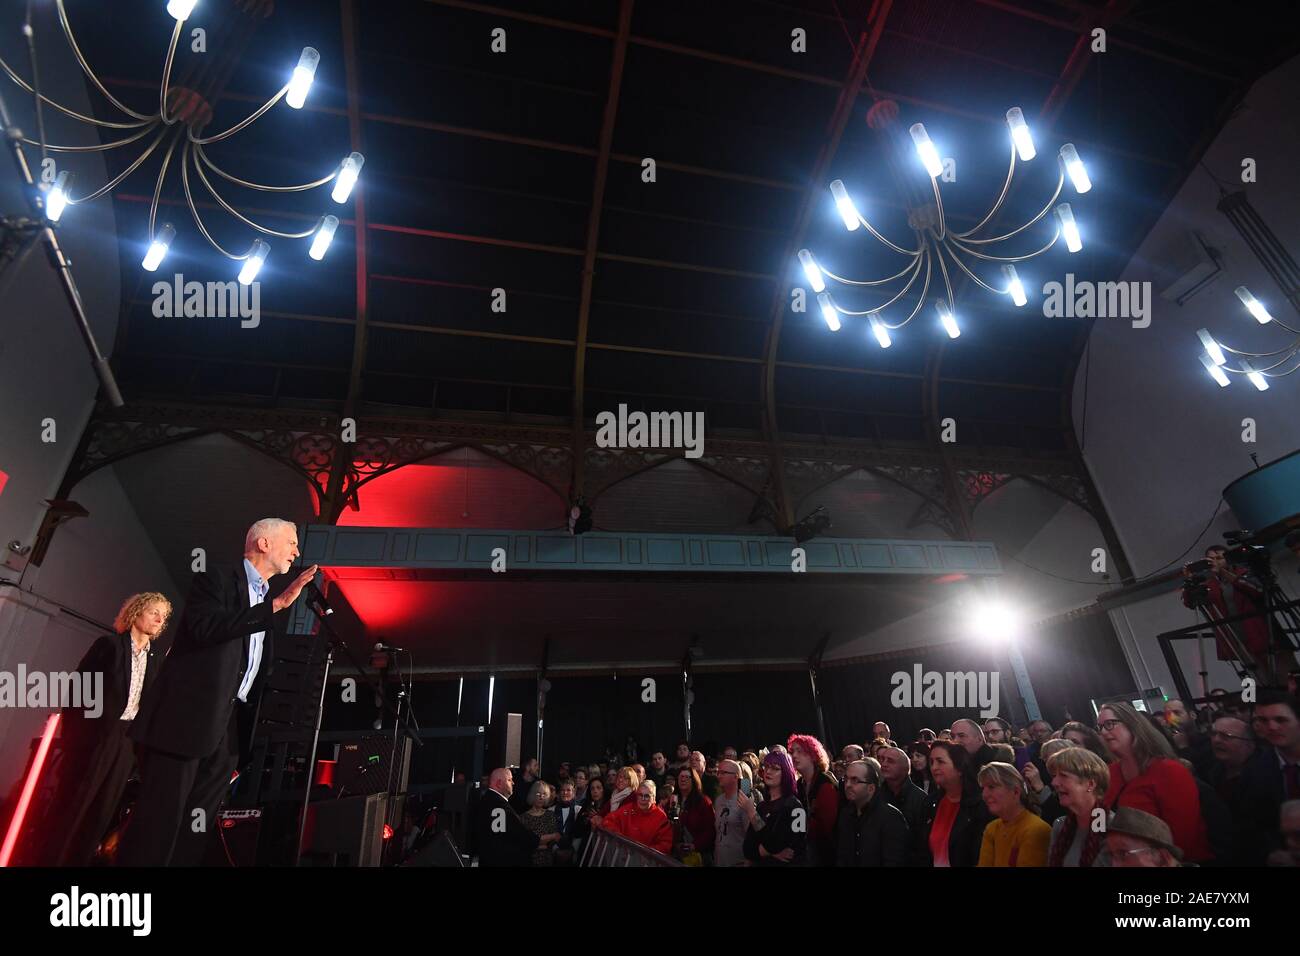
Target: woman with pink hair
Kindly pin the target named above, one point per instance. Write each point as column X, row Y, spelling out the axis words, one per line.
column 819, row 792
column 778, row 827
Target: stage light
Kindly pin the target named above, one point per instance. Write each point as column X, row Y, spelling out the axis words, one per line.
column 57, row 199
column 1253, row 304
column 811, row 270
column 1069, row 228
column 1020, row 134
column 348, row 174
column 1212, row 347
column 816, row 523
column 881, row 333
column 995, row 622
column 181, row 9
column 303, row 74
column 253, row 264
column 1256, row 379
column 324, row 236
column 949, row 320
column 1014, row 286
column 845, row 205
column 925, row 149
column 1074, row 169
column 29, row 789
column 1216, row 373
column 158, row 248
column 828, row 312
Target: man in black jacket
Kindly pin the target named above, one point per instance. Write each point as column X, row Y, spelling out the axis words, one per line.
column 500, row 837
column 870, row 831
column 970, row 735
column 195, row 722
column 909, row 799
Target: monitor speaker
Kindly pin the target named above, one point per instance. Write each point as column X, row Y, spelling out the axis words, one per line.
column 441, row 852
column 504, row 742
column 350, row 829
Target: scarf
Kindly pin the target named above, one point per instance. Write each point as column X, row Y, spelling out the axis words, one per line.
column 1091, row 846
column 617, row 799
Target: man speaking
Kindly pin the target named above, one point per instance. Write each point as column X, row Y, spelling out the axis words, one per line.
column 192, row 723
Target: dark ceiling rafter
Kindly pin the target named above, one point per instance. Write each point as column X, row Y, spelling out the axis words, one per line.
column 610, row 118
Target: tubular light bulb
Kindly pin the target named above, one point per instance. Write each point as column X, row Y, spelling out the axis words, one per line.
column 925, row 149
column 948, row 320
column 881, row 333
column 1074, row 168
column 57, row 198
column 810, row 269
column 1216, row 373
column 347, row 177
column 845, row 205
column 181, row 9
column 828, row 312
column 303, row 74
column 162, row 241
column 324, row 236
column 1256, row 379
column 1014, row 286
column 1212, row 347
column 1069, row 228
column 1020, row 134
column 1253, row 304
column 253, row 264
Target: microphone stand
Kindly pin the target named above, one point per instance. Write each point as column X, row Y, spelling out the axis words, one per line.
column 337, row 643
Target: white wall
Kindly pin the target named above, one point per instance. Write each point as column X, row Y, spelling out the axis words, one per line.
column 1162, row 439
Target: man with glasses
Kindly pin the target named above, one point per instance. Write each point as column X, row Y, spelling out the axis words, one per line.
column 1138, row 839
column 870, row 831
column 1234, row 749
column 730, row 820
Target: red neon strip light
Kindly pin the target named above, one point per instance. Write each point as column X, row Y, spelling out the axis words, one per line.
column 33, row 775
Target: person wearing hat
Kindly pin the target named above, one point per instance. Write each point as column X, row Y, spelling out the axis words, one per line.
column 1137, row 838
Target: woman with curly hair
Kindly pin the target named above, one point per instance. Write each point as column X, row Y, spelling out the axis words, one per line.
column 98, row 755
column 819, row 792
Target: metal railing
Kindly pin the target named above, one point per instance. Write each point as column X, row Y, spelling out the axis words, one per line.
column 603, row 848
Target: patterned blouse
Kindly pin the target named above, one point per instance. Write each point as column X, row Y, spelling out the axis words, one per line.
column 542, row 824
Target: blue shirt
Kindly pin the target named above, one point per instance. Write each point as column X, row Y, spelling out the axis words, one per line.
column 257, row 589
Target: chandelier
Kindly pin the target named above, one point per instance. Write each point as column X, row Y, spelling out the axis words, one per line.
column 181, row 120
column 935, row 245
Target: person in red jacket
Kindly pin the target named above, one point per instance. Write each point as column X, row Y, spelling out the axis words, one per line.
column 1233, row 591
column 698, row 829
column 819, row 791
column 642, row 821
column 1147, row 776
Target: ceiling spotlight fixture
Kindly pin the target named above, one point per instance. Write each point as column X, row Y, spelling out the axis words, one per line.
column 1258, row 367
column 179, row 121
column 828, row 311
column 936, row 248
column 1253, row 305
column 815, row 524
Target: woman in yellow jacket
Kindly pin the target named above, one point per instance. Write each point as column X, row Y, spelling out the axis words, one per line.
column 1017, row 837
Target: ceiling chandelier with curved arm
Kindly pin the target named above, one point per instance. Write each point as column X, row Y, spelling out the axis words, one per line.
column 181, row 120
column 1258, row 367
column 935, row 245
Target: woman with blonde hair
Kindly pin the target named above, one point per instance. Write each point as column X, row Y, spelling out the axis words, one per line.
column 1016, row 837
column 1080, row 779
column 98, row 755
column 540, row 818
column 625, row 783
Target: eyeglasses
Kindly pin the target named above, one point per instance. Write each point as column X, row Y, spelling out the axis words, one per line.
column 1141, row 849
column 858, row 780
column 1106, row 726
column 1227, row 736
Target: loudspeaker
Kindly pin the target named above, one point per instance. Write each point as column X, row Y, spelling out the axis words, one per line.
column 238, row 832
column 352, row 827
column 363, row 765
column 504, row 742
column 441, row 852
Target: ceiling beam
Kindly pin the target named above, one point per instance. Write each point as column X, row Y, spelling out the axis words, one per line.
column 608, row 121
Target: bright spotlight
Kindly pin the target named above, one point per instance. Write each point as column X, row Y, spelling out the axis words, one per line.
column 995, row 622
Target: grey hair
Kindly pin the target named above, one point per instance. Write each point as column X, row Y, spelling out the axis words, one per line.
column 543, row 786
column 264, row 528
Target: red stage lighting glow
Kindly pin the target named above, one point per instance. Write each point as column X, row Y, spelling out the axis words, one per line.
column 949, row 578
column 388, row 832
column 29, row 787
column 4, row 479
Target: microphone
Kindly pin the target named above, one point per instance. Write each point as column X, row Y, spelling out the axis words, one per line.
column 380, row 646
column 317, row 600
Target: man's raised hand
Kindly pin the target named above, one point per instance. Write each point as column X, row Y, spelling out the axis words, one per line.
column 290, row 594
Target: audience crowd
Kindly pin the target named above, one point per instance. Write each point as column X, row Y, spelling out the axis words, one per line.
column 1217, row 786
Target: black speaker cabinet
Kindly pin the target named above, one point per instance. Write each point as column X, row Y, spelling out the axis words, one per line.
column 504, row 742
column 364, row 765
column 351, row 828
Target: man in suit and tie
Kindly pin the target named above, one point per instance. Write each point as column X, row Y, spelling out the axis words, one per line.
column 98, row 754
column 500, row 837
column 195, row 722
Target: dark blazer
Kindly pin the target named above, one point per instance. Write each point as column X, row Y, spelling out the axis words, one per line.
column 568, row 828
column 967, row 834
column 512, row 846
column 877, row 837
column 110, row 655
column 188, row 709
column 913, row 803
